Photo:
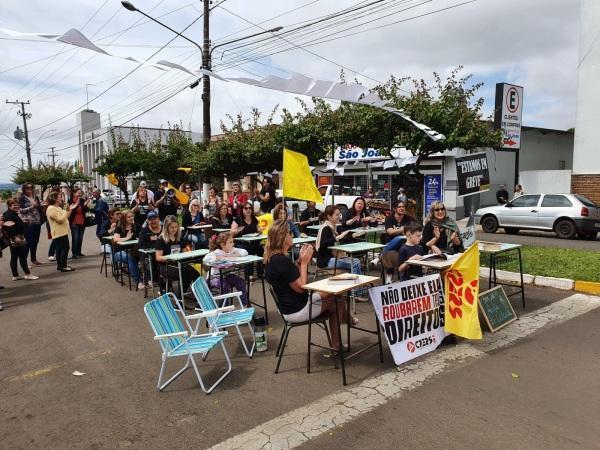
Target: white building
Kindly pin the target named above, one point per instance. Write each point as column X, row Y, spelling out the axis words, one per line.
column 95, row 140
column 586, row 160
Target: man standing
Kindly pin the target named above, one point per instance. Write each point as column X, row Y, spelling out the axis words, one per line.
column 166, row 201
column 502, row 195
column 267, row 196
column 100, row 209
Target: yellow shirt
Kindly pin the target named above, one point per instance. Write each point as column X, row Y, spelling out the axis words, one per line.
column 58, row 219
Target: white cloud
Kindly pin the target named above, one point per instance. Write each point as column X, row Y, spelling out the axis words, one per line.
column 532, row 43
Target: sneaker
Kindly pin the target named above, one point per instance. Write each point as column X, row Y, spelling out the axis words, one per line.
column 30, row 266
column 37, row 263
column 31, row 277
column 17, row 278
column 140, row 286
column 51, row 258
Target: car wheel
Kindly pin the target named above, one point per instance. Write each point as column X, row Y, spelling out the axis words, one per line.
column 587, row 235
column 511, row 230
column 489, row 224
column 565, row 229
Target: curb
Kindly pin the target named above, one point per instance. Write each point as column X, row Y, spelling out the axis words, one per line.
column 588, row 287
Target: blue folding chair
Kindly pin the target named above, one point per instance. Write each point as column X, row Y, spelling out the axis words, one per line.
column 175, row 340
column 233, row 318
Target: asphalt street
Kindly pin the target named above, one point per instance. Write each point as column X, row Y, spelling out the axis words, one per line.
column 540, row 239
column 84, row 322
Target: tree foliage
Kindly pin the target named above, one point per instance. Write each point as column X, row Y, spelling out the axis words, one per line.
column 46, row 175
column 448, row 106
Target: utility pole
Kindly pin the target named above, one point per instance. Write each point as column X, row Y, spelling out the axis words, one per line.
column 206, row 64
column 53, row 155
column 25, row 117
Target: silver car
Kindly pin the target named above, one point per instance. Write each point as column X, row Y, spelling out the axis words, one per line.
column 565, row 214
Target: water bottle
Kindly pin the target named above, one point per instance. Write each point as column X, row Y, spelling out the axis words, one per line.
column 260, row 335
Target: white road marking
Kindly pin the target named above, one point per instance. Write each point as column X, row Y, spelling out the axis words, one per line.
column 307, row 422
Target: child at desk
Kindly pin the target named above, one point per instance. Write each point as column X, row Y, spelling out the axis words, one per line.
column 222, row 248
column 411, row 249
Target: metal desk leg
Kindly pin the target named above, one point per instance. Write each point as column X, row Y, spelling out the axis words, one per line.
column 349, row 300
column 181, row 284
column 521, row 273
column 310, row 297
column 265, row 299
column 339, row 327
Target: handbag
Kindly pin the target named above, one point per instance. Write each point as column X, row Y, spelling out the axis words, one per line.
column 90, row 219
column 18, row 241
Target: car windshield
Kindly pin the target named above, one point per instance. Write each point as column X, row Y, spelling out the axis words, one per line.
column 586, row 201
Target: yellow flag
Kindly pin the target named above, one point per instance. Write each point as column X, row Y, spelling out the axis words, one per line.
column 462, row 294
column 298, row 182
column 112, row 179
column 265, row 222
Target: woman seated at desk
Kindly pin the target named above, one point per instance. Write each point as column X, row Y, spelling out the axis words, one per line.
column 440, row 233
column 171, row 242
column 190, row 217
column 222, row 219
column 246, row 224
column 288, row 278
column 126, row 231
column 358, row 216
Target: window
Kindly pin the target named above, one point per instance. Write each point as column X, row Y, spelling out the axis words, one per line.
column 525, row 201
column 586, row 201
column 561, row 165
column 556, row 201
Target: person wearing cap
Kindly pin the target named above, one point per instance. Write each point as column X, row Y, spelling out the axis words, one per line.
column 165, row 201
column 401, row 195
column 149, row 193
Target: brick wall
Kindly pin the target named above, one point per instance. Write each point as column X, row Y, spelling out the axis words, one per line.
column 588, row 185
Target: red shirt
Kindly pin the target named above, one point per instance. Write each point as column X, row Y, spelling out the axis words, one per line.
column 78, row 216
column 237, row 203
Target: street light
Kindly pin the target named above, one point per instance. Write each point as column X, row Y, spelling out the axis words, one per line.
column 206, row 52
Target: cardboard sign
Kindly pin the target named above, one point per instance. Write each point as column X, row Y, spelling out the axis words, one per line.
column 508, row 114
column 412, row 316
column 473, row 174
column 496, row 309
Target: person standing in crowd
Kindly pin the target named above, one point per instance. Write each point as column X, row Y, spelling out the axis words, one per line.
column 140, row 207
column 14, row 229
column 223, row 219
column 369, row 194
column 358, row 216
column 288, row 278
column 187, row 190
column 58, row 218
column 440, row 233
column 77, row 222
column 502, row 195
column 221, row 248
column 190, row 217
column 267, row 196
column 402, row 195
column 236, row 199
column 166, row 201
column 171, row 242
column 100, row 209
column 31, row 212
column 144, row 187
column 126, row 231
column 518, row 191
column 52, row 246
column 309, row 216
column 245, row 224
column 212, row 202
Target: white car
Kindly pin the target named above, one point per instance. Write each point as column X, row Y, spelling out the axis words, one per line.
column 565, row 214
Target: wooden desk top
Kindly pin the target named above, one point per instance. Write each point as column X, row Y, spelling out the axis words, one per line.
column 335, row 289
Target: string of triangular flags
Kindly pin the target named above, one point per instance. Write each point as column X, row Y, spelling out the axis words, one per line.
column 296, row 84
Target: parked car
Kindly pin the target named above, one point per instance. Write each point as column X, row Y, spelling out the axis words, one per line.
column 565, row 214
column 119, row 198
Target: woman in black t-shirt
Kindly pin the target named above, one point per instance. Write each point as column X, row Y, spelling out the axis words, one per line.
column 288, row 278
column 222, row 219
column 245, row 224
column 358, row 216
column 171, row 242
column 140, row 206
column 126, row 231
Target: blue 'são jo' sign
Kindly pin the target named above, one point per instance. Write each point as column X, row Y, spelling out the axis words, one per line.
column 432, row 191
column 357, row 154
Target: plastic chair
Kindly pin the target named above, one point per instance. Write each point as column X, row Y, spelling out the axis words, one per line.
column 321, row 321
column 233, row 318
column 175, row 340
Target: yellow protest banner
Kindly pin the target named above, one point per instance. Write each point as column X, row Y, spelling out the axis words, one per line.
column 462, row 294
column 265, row 222
column 298, row 181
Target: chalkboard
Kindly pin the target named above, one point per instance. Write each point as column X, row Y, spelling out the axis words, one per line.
column 496, row 309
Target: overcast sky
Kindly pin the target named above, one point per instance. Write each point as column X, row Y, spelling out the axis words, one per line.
column 533, row 43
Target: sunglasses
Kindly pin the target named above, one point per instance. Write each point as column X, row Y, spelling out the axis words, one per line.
column 247, row 208
column 439, row 209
